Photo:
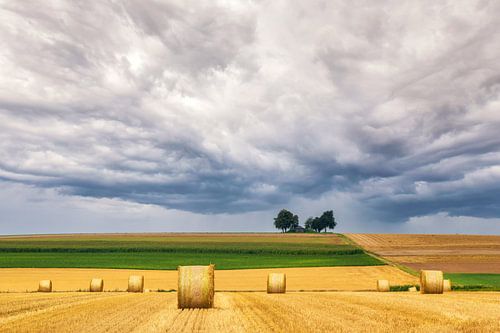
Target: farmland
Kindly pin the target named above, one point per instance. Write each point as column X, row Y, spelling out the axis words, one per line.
column 450, row 253
column 167, row 251
column 485, row 281
column 318, row 278
column 335, row 294
column 252, row 312
column 468, row 260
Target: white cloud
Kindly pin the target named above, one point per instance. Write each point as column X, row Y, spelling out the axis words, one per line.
column 230, row 107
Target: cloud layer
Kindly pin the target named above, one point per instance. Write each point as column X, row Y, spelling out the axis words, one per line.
column 248, row 106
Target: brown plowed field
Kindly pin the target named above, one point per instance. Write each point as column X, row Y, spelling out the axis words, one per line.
column 317, row 278
column 252, row 312
column 450, row 253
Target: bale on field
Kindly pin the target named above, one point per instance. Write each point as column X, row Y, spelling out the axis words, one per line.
column 195, row 287
column 136, row 284
column 431, row 282
column 96, row 285
column 45, row 286
column 383, row 285
column 412, row 289
column 276, row 283
column 446, row 285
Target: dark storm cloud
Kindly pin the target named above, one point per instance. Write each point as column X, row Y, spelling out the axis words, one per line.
column 244, row 106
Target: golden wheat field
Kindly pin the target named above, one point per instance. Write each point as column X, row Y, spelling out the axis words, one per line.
column 450, row 253
column 316, row 278
column 252, row 312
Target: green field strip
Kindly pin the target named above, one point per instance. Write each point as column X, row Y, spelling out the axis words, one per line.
column 474, row 281
column 131, row 260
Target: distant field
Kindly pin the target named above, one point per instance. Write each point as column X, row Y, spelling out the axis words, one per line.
column 310, row 278
column 252, row 312
column 162, row 260
column 485, row 281
column 167, row 251
column 450, row 253
column 194, row 243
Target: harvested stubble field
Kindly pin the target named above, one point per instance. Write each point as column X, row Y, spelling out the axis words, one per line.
column 449, row 253
column 252, row 312
column 319, row 278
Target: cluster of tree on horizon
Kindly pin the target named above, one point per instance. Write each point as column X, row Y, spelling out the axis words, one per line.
column 286, row 221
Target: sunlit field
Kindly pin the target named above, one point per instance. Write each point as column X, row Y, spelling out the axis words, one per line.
column 252, row 312
column 336, row 294
column 304, row 278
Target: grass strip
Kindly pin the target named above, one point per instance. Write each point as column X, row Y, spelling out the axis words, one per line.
column 474, row 281
column 160, row 260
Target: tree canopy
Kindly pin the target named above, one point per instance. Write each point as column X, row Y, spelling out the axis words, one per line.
column 324, row 222
column 328, row 220
column 286, row 220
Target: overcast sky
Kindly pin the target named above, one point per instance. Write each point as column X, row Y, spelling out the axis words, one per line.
column 212, row 116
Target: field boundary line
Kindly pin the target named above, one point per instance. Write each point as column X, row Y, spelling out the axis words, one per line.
column 383, row 259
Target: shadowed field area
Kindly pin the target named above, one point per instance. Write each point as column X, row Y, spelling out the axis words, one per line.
column 252, row 312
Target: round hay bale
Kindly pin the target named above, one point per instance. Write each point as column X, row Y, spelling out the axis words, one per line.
column 446, row 285
column 195, row 287
column 96, row 285
column 383, row 286
column 276, row 283
column 431, row 282
column 136, row 284
column 45, row 286
column 412, row 289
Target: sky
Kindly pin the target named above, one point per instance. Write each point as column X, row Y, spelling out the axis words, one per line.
column 141, row 116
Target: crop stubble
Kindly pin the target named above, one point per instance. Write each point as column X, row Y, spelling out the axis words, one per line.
column 318, row 278
column 254, row 312
column 449, row 253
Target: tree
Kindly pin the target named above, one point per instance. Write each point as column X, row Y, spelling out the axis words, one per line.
column 295, row 222
column 313, row 223
column 327, row 220
column 286, row 220
column 309, row 223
